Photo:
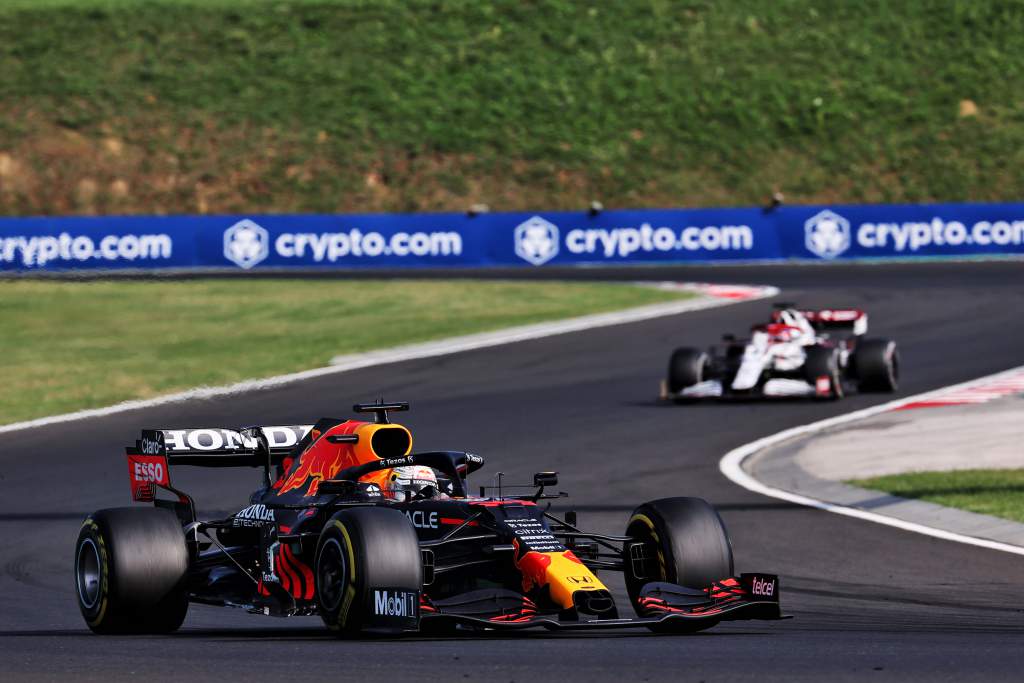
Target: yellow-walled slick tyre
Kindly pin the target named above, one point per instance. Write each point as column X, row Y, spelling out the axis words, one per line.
column 369, row 573
column 130, row 568
column 685, row 543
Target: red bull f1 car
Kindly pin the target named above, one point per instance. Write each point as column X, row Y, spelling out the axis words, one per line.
column 821, row 353
column 344, row 527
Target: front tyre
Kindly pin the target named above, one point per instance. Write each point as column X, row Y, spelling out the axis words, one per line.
column 687, row 367
column 368, row 572
column 683, row 542
column 877, row 364
column 823, row 361
column 130, row 570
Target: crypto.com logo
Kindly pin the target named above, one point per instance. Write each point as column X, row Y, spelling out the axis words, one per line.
column 536, row 241
column 827, row 234
column 246, row 244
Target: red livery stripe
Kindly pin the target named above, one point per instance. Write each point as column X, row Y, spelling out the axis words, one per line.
column 455, row 521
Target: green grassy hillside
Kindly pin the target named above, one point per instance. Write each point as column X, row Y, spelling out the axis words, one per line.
column 395, row 105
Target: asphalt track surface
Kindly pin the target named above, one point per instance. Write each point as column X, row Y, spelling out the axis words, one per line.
column 870, row 602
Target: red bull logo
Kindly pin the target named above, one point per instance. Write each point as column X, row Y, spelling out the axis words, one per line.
column 323, row 459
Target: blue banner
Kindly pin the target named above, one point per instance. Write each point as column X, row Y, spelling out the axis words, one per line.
column 881, row 231
column 260, row 242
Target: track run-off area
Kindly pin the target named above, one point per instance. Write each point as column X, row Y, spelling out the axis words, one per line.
column 868, row 601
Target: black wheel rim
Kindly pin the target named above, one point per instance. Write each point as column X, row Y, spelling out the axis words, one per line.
column 652, row 565
column 331, row 575
column 88, row 573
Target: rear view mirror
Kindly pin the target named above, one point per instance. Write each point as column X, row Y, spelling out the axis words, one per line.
column 542, row 479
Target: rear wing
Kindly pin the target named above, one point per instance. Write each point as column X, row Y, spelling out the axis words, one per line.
column 850, row 320
column 157, row 450
column 215, row 447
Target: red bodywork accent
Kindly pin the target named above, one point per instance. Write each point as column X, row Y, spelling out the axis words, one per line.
column 282, row 570
column 504, row 501
column 726, row 588
column 146, row 472
column 321, row 460
column 455, row 521
column 657, row 604
column 827, row 315
column 723, row 592
column 286, row 465
column 526, row 612
column 831, row 315
column 302, row 571
column 533, row 566
column 780, row 331
column 296, row 577
column 425, row 604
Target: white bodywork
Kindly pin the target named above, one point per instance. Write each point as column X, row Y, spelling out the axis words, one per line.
column 773, row 387
column 764, row 352
column 782, row 346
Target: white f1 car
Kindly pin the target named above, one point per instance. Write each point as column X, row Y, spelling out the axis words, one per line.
column 797, row 353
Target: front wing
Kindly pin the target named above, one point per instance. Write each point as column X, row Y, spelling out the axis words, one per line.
column 748, row 596
column 746, row 610
column 773, row 388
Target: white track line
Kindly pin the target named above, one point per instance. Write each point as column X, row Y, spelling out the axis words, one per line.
column 442, row 347
column 732, row 467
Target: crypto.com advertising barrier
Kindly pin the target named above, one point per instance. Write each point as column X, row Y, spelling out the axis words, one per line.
column 244, row 243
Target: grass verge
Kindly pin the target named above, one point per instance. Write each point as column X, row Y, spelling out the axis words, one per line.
column 999, row 493
column 72, row 345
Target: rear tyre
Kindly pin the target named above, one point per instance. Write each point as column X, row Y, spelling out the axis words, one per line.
column 877, row 365
column 823, row 361
column 368, row 572
column 686, row 368
column 130, row 571
column 685, row 543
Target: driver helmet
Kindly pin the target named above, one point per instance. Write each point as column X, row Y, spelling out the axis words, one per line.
column 799, row 327
column 403, row 483
column 789, row 317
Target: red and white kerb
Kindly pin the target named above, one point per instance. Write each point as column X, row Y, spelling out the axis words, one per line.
column 979, row 392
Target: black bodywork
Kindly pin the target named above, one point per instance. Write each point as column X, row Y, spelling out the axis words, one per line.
column 472, row 548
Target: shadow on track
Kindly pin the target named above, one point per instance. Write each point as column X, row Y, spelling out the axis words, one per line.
column 629, row 507
column 322, row 634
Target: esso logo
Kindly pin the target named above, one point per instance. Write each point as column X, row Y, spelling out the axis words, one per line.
column 149, row 471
